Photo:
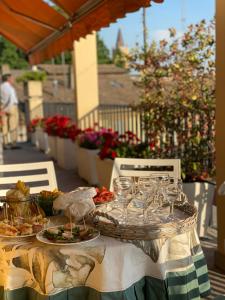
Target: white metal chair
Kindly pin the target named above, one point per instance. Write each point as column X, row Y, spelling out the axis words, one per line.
column 144, row 167
column 39, row 176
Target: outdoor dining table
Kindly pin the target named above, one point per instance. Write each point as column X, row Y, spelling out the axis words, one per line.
column 105, row 268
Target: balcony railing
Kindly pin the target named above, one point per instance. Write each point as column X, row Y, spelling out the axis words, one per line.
column 122, row 118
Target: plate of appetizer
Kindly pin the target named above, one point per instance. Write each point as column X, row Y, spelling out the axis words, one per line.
column 103, row 196
column 68, row 234
column 20, row 228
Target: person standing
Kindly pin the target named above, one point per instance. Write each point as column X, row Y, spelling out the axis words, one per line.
column 9, row 107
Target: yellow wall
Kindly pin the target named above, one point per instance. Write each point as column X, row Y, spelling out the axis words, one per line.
column 35, row 99
column 85, row 75
column 5, row 69
column 220, row 126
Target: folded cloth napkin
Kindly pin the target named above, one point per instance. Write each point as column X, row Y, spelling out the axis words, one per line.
column 76, row 204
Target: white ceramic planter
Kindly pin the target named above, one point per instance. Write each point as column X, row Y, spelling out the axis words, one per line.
column 52, row 147
column 86, row 165
column 41, row 139
column 33, row 138
column 104, row 171
column 202, row 195
column 66, row 154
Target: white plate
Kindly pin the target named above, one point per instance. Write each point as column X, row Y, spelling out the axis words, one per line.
column 42, row 239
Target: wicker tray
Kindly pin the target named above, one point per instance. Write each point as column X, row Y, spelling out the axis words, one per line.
column 109, row 226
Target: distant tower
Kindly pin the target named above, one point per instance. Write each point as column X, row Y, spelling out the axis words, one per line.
column 119, row 40
column 120, row 43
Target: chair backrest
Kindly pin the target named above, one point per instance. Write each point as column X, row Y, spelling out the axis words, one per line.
column 39, row 176
column 144, row 167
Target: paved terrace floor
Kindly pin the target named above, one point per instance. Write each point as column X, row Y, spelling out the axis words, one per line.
column 68, row 180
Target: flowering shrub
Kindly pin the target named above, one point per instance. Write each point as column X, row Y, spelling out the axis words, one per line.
column 177, row 86
column 37, row 122
column 57, row 125
column 71, row 132
column 95, row 138
column 124, row 145
column 89, row 139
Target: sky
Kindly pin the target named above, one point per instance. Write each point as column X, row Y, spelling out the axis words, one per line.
column 160, row 17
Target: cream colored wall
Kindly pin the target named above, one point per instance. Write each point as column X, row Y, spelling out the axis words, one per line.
column 35, row 99
column 85, row 75
column 5, row 69
column 220, row 126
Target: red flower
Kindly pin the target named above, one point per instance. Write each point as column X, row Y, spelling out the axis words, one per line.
column 113, row 154
column 152, row 145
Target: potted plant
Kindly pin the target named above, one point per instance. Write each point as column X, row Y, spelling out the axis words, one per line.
column 39, row 137
column 32, row 128
column 114, row 145
column 51, row 128
column 67, row 146
column 89, row 142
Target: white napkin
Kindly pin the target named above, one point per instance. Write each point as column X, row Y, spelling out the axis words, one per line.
column 77, row 203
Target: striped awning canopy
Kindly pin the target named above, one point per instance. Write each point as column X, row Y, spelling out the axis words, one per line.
column 45, row 28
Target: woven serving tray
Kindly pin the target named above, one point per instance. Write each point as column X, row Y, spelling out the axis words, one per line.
column 105, row 220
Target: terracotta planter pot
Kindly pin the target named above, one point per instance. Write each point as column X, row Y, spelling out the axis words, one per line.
column 201, row 194
column 41, row 139
column 66, row 153
column 104, row 171
column 86, row 165
column 52, row 146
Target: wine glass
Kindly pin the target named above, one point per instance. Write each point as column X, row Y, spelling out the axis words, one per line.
column 179, row 183
column 161, row 180
column 172, row 193
column 147, row 190
column 123, row 189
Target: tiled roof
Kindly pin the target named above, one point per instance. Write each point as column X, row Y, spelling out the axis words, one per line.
column 115, row 84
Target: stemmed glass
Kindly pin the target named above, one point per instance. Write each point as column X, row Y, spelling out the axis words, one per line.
column 179, row 183
column 161, row 180
column 146, row 190
column 172, row 193
column 123, row 189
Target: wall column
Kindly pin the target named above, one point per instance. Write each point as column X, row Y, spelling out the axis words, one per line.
column 33, row 91
column 85, row 77
column 220, row 128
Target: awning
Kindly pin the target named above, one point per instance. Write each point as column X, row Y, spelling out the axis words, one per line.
column 43, row 31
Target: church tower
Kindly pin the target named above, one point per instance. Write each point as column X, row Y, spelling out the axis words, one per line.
column 120, row 51
column 120, row 43
column 119, row 40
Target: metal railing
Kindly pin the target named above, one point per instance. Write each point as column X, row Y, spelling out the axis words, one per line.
column 119, row 117
column 57, row 108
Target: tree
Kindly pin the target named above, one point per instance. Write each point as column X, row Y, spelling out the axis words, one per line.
column 16, row 58
column 11, row 55
column 102, row 52
column 177, row 82
column 67, row 58
column 119, row 58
